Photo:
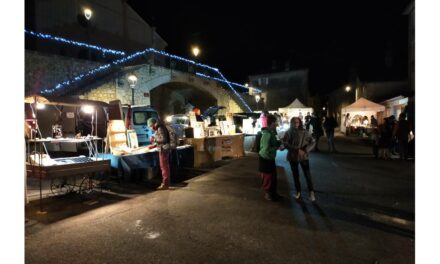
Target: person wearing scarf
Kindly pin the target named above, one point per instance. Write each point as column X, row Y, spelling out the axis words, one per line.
column 299, row 142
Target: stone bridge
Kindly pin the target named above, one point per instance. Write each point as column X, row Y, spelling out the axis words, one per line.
column 166, row 89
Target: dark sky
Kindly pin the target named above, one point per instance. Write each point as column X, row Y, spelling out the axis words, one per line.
column 333, row 39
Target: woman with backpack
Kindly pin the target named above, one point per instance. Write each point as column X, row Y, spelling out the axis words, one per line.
column 165, row 143
column 266, row 161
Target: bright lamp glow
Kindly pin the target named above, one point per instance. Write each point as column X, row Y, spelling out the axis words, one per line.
column 41, row 106
column 132, row 79
column 257, row 98
column 88, row 13
column 196, row 51
column 88, row 109
column 348, row 89
column 168, row 119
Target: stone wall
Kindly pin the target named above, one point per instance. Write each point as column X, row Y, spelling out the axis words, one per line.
column 44, row 71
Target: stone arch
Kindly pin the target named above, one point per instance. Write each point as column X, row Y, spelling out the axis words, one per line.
column 171, row 97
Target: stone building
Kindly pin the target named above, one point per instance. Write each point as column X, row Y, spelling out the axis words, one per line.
column 113, row 24
column 281, row 88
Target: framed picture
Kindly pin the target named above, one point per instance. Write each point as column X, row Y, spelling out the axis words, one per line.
column 132, row 138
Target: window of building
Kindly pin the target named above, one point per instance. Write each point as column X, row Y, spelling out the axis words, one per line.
column 141, row 117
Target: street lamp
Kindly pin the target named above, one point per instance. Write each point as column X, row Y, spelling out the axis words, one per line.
column 132, row 80
column 195, row 51
column 257, row 99
column 348, row 90
column 88, row 13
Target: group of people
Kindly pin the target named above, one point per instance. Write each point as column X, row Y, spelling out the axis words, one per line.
column 299, row 142
column 391, row 134
column 360, row 122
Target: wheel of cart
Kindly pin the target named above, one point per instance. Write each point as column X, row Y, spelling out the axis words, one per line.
column 62, row 185
column 91, row 184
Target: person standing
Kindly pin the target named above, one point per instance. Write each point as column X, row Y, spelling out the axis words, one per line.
column 347, row 124
column 307, row 119
column 329, row 126
column 263, row 126
column 162, row 141
column 317, row 129
column 268, row 151
column 401, row 132
column 386, row 135
column 299, row 143
column 373, row 121
column 263, row 119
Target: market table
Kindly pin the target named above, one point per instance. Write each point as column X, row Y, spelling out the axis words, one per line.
column 182, row 157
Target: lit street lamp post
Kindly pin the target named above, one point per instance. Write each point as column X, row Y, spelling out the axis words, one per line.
column 257, row 99
column 195, row 51
column 348, row 90
column 132, row 80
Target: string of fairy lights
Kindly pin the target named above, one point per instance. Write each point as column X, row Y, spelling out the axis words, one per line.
column 72, row 42
column 132, row 56
column 256, row 90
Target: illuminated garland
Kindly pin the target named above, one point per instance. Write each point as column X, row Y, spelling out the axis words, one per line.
column 232, row 88
column 130, row 57
column 71, row 42
column 232, row 83
column 92, row 72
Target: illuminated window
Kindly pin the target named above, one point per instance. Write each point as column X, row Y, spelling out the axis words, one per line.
column 141, row 117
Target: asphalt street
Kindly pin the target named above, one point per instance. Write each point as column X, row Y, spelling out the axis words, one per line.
column 364, row 213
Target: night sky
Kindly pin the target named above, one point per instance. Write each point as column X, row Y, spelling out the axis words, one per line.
column 333, row 39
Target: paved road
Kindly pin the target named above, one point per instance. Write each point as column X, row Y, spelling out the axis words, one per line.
column 364, row 214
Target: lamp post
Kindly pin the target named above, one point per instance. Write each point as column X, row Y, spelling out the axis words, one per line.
column 348, row 90
column 132, row 80
column 257, row 99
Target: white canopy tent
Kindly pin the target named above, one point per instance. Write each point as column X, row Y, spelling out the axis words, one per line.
column 296, row 108
column 362, row 107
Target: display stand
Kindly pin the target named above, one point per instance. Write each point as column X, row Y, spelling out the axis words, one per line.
column 41, row 166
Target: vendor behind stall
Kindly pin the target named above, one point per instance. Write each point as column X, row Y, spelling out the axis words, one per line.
column 198, row 114
column 165, row 140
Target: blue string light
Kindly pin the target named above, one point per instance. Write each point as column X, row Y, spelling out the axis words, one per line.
column 71, row 42
column 130, row 57
column 232, row 83
column 93, row 72
column 232, row 88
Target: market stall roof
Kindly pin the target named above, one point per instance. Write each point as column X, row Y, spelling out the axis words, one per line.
column 363, row 104
column 32, row 99
column 296, row 104
column 62, row 101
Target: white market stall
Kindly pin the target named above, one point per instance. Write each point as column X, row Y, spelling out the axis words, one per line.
column 296, row 108
column 362, row 107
